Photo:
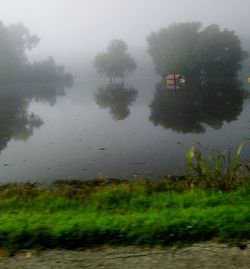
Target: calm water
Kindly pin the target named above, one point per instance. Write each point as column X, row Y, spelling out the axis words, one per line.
column 117, row 130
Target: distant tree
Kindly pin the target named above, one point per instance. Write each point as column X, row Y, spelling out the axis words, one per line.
column 218, row 52
column 172, row 48
column 47, row 71
column 15, row 41
column 185, row 49
column 116, row 62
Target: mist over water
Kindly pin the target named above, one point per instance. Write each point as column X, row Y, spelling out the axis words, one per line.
column 79, row 134
column 59, row 119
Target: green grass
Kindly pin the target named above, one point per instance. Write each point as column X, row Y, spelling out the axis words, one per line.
column 76, row 214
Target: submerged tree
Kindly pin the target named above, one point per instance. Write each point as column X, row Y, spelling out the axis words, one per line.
column 116, row 62
column 185, row 49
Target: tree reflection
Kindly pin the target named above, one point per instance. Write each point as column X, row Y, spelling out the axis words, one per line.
column 198, row 105
column 117, row 98
column 15, row 120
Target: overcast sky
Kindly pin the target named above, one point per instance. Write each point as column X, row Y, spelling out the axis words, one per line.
column 67, row 27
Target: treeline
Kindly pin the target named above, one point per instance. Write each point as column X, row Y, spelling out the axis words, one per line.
column 184, row 48
column 189, row 49
column 15, row 41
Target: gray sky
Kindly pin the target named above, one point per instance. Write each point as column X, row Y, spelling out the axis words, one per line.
column 68, row 27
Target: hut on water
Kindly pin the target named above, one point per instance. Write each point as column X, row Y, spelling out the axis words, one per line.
column 175, row 79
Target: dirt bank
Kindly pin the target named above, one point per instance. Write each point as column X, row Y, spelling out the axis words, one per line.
column 202, row 255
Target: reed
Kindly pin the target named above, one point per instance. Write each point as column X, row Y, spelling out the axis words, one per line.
column 212, row 168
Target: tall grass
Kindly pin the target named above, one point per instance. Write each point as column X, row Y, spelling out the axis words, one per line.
column 71, row 214
column 121, row 213
column 214, row 168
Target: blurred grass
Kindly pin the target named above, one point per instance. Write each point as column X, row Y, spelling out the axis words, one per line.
column 73, row 214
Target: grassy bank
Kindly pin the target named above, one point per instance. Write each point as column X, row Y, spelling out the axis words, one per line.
column 76, row 214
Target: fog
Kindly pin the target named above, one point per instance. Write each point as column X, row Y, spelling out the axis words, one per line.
column 77, row 29
column 109, row 113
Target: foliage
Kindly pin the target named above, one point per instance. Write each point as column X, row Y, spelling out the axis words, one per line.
column 116, row 61
column 47, row 70
column 117, row 97
column 218, row 52
column 186, row 49
column 214, row 170
column 15, row 41
column 172, row 48
column 118, row 213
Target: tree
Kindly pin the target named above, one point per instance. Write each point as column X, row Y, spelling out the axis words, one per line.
column 218, row 52
column 116, row 61
column 15, row 41
column 172, row 48
column 185, row 49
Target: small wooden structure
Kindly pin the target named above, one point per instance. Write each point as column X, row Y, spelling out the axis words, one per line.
column 174, row 80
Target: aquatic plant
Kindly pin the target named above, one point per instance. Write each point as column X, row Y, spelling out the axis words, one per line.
column 213, row 168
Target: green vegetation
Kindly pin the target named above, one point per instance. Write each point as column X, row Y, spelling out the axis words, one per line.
column 74, row 214
column 217, row 169
column 211, row 203
column 184, row 48
column 15, row 41
column 116, row 62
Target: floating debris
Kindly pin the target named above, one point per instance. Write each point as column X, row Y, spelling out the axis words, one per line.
column 102, row 148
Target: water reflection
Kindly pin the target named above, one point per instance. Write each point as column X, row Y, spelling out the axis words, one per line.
column 197, row 105
column 15, row 120
column 117, row 98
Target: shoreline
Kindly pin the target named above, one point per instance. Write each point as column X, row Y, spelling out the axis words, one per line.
column 73, row 214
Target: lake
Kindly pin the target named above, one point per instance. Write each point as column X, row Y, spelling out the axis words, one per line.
column 120, row 130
